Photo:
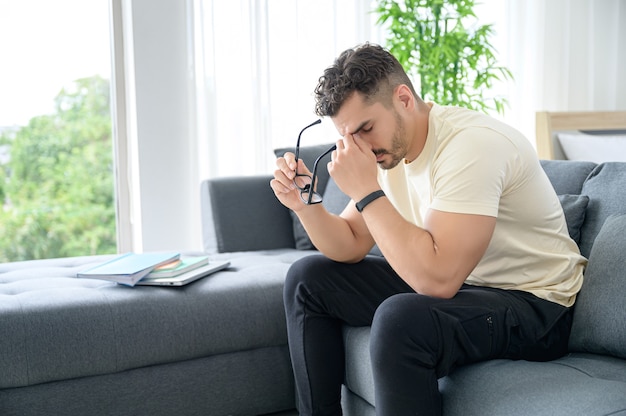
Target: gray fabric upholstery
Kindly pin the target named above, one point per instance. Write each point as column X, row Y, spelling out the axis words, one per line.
column 571, row 385
column 300, row 236
column 243, row 216
column 574, row 208
column 599, row 326
column 353, row 404
column 69, row 346
column 334, row 199
column 359, row 378
column 252, row 382
column 566, row 176
column 48, row 313
column 605, row 189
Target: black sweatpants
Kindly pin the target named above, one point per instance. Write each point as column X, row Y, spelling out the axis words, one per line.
column 415, row 339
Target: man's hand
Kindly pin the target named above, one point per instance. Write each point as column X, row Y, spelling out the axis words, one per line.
column 353, row 167
column 282, row 184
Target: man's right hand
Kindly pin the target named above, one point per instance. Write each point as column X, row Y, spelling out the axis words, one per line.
column 282, row 184
column 342, row 237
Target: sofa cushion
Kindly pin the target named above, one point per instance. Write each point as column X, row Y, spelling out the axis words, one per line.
column 577, row 384
column 600, row 310
column 358, row 378
column 574, row 208
column 243, row 215
column 567, row 176
column 605, row 188
column 55, row 326
column 334, row 200
column 300, row 235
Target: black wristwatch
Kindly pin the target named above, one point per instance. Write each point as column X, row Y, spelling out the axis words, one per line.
column 368, row 199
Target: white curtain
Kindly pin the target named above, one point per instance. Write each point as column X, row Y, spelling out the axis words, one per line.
column 258, row 61
column 566, row 55
column 257, row 64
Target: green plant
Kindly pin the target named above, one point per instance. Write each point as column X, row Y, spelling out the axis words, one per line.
column 57, row 186
column 441, row 46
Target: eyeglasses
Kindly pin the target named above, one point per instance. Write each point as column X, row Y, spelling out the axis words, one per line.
column 307, row 184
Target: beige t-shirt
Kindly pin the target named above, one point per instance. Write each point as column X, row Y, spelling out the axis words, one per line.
column 474, row 164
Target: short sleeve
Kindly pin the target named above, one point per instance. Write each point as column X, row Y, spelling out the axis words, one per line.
column 472, row 171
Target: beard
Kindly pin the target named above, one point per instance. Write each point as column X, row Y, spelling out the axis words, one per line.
column 399, row 147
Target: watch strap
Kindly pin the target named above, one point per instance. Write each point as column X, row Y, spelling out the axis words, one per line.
column 369, row 199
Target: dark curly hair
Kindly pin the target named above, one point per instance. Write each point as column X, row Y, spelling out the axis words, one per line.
column 368, row 69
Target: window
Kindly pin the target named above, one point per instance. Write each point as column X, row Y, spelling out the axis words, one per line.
column 56, row 164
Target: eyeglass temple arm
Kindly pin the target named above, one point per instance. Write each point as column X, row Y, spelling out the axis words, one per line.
column 297, row 152
column 314, row 174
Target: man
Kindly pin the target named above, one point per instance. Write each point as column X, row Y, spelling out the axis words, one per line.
column 477, row 261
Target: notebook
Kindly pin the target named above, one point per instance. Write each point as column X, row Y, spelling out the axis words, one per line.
column 185, row 278
column 128, row 268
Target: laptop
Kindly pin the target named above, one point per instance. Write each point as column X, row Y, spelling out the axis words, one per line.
column 185, row 278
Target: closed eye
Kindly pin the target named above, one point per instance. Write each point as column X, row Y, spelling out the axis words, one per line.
column 364, row 132
column 361, row 127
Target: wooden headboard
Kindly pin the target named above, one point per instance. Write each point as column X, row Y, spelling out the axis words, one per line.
column 549, row 122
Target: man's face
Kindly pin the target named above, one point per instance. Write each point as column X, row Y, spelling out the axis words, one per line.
column 381, row 128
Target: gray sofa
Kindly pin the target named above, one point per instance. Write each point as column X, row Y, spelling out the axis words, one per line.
column 81, row 347
column 590, row 380
column 218, row 347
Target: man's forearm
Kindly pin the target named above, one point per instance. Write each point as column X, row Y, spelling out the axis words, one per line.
column 332, row 235
column 434, row 260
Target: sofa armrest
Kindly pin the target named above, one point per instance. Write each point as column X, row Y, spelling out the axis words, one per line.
column 242, row 214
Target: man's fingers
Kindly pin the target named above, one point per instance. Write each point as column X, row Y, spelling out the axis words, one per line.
column 288, row 164
column 340, row 144
column 290, row 159
column 350, row 142
column 280, row 188
column 285, row 177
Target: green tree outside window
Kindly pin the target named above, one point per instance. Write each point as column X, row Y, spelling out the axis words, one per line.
column 56, row 188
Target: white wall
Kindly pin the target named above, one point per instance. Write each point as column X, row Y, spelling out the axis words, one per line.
column 166, row 156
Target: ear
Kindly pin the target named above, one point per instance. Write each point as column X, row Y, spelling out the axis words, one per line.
column 405, row 97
